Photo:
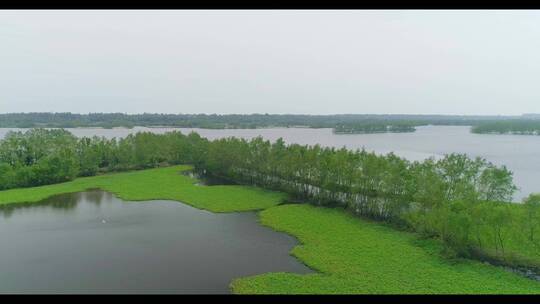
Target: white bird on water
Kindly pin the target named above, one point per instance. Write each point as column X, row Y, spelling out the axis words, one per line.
column 103, row 221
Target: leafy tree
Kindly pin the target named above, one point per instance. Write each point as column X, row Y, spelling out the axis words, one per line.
column 532, row 209
column 496, row 184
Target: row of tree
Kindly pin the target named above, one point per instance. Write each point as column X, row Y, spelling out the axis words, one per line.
column 513, row 126
column 356, row 122
column 376, row 127
column 41, row 156
column 460, row 200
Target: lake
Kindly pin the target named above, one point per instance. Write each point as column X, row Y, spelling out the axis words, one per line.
column 93, row 242
column 520, row 153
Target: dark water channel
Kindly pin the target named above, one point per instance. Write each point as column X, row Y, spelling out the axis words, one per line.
column 207, row 180
column 93, row 242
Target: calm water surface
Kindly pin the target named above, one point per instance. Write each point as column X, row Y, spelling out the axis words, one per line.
column 520, row 153
column 93, row 242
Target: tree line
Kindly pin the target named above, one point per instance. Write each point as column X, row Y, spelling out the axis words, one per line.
column 521, row 126
column 341, row 123
column 464, row 202
column 371, row 126
column 42, row 156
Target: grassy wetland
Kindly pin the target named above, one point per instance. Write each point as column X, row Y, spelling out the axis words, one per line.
column 152, row 184
column 350, row 254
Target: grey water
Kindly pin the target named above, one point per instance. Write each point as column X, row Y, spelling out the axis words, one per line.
column 520, row 153
column 94, row 242
column 207, row 180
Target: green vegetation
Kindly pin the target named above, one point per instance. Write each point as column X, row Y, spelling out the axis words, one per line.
column 376, row 127
column 357, row 256
column 351, row 255
column 40, row 156
column 513, row 126
column 161, row 183
column 460, row 201
column 343, row 123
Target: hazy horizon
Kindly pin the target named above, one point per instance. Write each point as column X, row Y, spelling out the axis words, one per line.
column 412, row 62
column 255, row 113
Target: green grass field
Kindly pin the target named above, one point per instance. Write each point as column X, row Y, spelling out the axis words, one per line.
column 162, row 183
column 359, row 256
column 351, row 255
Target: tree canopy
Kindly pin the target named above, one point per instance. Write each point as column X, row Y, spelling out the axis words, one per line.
column 461, row 200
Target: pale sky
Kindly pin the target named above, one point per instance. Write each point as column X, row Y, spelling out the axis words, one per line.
column 303, row 62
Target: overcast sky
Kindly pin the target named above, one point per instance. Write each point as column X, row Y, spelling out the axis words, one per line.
column 312, row 62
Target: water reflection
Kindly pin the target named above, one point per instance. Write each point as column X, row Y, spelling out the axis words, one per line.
column 62, row 202
column 96, row 196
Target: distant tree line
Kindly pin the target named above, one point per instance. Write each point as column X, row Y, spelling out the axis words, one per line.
column 343, row 123
column 521, row 126
column 371, row 126
column 461, row 201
